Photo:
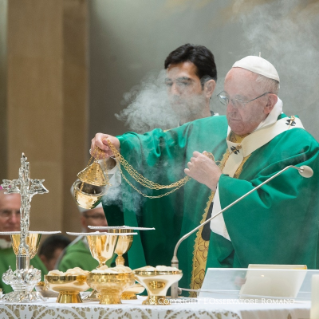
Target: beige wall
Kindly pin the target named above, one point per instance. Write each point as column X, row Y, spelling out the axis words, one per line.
column 46, row 106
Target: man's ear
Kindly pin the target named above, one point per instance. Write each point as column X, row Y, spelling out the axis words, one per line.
column 271, row 102
column 209, row 88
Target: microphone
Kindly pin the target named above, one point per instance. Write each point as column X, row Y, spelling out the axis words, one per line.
column 304, row 171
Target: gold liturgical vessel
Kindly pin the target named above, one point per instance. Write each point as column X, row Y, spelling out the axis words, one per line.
column 91, row 185
column 68, row 287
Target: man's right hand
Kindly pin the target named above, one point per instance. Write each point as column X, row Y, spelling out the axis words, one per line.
column 100, row 148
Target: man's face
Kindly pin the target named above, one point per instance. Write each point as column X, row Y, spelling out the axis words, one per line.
column 241, row 84
column 184, row 88
column 9, row 212
column 93, row 217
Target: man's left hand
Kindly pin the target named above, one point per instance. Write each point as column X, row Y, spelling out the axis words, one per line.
column 203, row 170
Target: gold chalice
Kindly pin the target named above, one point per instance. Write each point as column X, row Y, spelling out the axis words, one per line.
column 157, row 281
column 124, row 243
column 32, row 240
column 102, row 247
column 68, row 287
column 110, row 285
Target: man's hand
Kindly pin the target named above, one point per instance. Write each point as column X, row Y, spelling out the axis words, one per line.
column 204, row 170
column 100, row 148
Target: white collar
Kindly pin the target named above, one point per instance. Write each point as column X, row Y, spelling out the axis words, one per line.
column 4, row 244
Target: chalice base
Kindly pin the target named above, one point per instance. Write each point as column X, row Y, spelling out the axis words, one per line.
column 156, row 301
column 110, row 298
column 69, row 297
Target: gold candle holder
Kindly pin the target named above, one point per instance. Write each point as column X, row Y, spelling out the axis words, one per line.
column 68, row 287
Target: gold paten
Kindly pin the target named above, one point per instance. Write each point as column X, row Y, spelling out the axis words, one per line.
column 157, row 283
column 68, row 287
column 32, row 241
column 110, row 286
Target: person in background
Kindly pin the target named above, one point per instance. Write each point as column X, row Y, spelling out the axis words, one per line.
column 78, row 254
column 51, row 249
column 191, row 80
column 10, row 221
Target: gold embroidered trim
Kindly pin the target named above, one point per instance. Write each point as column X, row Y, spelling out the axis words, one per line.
column 201, row 246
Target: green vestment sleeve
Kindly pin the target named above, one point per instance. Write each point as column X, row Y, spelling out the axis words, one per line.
column 278, row 224
column 161, row 157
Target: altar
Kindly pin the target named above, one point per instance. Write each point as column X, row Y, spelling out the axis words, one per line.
column 185, row 308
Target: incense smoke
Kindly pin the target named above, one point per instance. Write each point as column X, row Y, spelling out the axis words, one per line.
column 285, row 32
column 149, row 106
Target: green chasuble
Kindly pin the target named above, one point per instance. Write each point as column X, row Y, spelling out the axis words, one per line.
column 276, row 225
column 8, row 258
column 78, row 255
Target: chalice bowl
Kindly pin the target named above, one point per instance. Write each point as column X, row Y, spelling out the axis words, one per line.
column 157, row 281
column 110, row 283
column 68, row 287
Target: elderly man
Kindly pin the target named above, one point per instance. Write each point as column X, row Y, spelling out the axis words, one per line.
column 276, row 225
column 77, row 254
column 10, row 221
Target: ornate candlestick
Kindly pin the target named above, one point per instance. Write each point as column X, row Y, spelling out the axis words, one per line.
column 24, row 278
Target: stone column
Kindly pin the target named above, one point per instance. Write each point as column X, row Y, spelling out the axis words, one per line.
column 46, row 102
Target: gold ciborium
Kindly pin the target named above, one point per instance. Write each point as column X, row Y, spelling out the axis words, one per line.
column 157, row 281
column 32, row 240
column 68, row 287
column 110, row 285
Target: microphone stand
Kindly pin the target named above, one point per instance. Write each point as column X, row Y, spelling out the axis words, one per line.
column 304, row 171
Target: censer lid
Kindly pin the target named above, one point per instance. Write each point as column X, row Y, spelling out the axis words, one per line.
column 93, row 175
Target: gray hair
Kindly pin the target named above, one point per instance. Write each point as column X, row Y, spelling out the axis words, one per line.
column 269, row 85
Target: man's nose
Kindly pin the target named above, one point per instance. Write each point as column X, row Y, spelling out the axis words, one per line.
column 174, row 90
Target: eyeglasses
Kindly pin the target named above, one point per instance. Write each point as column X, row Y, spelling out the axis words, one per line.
column 7, row 213
column 95, row 216
column 224, row 98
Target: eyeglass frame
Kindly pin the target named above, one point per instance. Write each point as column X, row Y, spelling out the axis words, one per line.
column 239, row 101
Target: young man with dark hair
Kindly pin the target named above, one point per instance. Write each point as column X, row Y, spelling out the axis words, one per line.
column 191, row 80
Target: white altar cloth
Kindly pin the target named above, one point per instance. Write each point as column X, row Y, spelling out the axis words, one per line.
column 135, row 310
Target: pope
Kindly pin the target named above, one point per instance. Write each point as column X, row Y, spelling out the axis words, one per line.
column 275, row 225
